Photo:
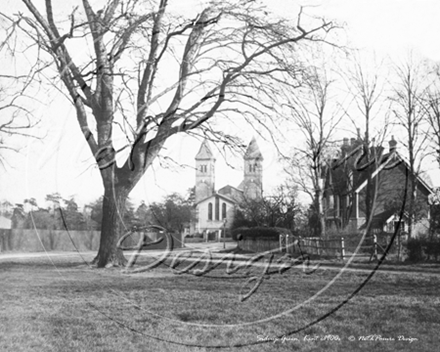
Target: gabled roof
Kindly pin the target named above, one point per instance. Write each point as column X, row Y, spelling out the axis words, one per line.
column 230, row 200
column 229, row 186
column 253, row 152
column 388, row 160
column 205, row 152
column 383, row 218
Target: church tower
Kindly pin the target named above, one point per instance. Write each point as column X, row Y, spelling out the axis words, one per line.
column 205, row 172
column 253, row 171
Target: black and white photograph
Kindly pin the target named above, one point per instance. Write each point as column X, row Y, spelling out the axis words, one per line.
column 219, row 175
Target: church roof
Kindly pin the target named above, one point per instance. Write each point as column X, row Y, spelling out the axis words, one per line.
column 222, row 196
column 205, row 152
column 253, row 152
column 229, row 186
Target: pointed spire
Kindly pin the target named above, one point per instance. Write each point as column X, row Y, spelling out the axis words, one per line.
column 253, row 152
column 205, row 152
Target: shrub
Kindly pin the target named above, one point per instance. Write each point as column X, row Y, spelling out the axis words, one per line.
column 423, row 248
column 415, row 249
column 432, row 248
column 237, row 234
column 261, row 233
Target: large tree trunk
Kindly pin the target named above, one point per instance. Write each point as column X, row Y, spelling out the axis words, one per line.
column 112, row 227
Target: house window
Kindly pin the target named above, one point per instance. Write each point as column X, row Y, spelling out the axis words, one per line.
column 252, row 167
column 210, row 211
column 217, row 208
column 224, row 211
column 331, row 203
column 203, row 168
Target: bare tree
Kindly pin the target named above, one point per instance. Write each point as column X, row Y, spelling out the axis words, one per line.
column 279, row 209
column 152, row 74
column 15, row 119
column 431, row 105
column 315, row 116
column 367, row 90
column 410, row 115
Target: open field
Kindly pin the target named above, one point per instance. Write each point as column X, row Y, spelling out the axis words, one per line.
column 62, row 304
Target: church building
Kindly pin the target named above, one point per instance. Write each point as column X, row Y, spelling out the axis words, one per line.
column 215, row 209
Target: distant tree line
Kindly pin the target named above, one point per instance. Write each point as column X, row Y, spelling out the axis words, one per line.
column 172, row 213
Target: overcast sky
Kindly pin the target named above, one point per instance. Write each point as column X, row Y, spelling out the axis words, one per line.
column 61, row 164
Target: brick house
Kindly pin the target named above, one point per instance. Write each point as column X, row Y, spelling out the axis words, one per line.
column 346, row 189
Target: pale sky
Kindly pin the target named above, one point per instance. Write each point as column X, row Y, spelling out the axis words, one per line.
column 61, row 162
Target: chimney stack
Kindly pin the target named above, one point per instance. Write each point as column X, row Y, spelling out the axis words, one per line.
column 393, row 144
column 346, row 142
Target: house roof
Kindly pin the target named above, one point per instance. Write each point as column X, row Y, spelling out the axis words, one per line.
column 205, row 152
column 393, row 159
column 252, row 151
column 352, row 155
column 380, row 219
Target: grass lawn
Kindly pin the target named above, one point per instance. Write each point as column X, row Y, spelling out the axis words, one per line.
column 63, row 305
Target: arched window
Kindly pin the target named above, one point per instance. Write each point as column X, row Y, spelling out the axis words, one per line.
column 224, row 211
column 210, row 211
column 217, row 208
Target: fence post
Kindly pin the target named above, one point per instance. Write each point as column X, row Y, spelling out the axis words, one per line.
column 375, row 246
column 318, row 245
column 342, row 248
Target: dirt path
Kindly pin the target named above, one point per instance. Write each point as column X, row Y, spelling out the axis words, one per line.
column 215, row 248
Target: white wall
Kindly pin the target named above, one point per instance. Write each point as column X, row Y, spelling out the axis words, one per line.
column 205, row 224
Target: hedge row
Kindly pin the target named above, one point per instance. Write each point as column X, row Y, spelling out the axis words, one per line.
column 420, row 249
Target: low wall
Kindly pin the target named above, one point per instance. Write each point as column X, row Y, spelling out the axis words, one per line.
column 39, row 240
column 59, row 240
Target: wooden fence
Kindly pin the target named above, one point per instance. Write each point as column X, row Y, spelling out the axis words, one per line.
column 259, row 245
column 330, row 248
column 337, row 248
column 334, row 248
